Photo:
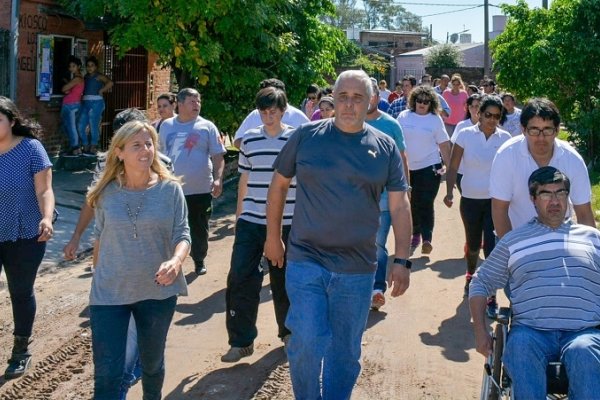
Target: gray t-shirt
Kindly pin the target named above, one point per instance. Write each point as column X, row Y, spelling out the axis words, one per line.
column 126, row 266
column 339, row 180
column 190, row 146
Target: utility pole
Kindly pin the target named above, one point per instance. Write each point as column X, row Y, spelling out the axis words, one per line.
column 486, row 39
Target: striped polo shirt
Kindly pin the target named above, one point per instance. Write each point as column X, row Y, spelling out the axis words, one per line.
column 553, row 275
column 258, row 151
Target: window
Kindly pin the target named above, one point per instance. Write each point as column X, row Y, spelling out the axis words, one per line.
column 52, row 64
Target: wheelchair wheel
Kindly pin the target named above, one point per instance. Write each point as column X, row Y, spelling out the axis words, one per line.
column 494, row 393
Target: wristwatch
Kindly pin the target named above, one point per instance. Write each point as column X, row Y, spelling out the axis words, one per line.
column 404, row 262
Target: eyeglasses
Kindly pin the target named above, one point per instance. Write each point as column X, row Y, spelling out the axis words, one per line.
column 422, row 101
column 546, row 195
column 492, row 115
column 537, row 131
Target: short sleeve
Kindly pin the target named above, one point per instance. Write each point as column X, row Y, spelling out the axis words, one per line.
column 216, row 145
column 39, row 160
column 398, row 135
column 460, row 138
column 396, row 175
column 501, row 177
column 581, row 191
column 441, row 135
column 285, row 163
column 243, row 162
column 248, row 123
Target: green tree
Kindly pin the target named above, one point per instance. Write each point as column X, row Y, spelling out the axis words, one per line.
column 226, row 47
column 388, row 15
column 444, row 55
column 346, row 15
column 555, row 53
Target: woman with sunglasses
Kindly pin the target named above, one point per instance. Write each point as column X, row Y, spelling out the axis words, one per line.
column 473, row 152
column 471, row 118
column 425, row 138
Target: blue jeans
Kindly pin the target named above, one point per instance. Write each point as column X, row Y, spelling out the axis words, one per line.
column 68, row 117
column 133, row 367
column 327, row 317
column 385, row 222
column 91, row 113
column 528, row 352
column 109, row 338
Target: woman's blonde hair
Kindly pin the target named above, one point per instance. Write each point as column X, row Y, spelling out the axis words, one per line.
column 114, row 168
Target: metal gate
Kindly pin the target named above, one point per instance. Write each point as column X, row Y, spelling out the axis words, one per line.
column 5, row 44
column 129, row 75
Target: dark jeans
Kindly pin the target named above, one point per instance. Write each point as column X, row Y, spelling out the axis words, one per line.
column 21, row 260
column 425, row 185
column 477, row 218
column 244, row 282
column 109, row 338
column 199, row 211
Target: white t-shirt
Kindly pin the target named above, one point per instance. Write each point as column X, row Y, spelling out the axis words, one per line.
column 466, row 123
column 384, row 94
column 514, row 164
column 477, row 159
column 423, row 135
column 292, row 117
column 513, row 123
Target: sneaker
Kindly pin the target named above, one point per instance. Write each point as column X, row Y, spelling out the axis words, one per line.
column 377, row 300
column 468, row 278
column 200, row 268
column 235, row 354
column 17, row 365
column 427, row 247
column 491, row 309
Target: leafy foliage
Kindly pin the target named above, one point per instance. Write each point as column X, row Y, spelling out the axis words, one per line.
column 226, row 47
column 444, row 55
column 555, row 53
column 383, row 14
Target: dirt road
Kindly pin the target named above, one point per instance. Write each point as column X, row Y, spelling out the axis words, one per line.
column 419, row 346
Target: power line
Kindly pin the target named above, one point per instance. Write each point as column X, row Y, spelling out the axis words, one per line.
column 449, row 12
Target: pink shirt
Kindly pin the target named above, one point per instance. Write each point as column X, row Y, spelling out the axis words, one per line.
column 456, row 102
column 74, row 95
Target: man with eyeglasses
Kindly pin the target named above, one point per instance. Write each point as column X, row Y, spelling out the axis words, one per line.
column 550, row 265
column 523, row 154
column 341, row 167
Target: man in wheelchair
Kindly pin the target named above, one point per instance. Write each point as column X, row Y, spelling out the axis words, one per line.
column 551, row 268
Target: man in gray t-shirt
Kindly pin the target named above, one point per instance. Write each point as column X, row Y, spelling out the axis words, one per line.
column 341, row 167
column 194, row 145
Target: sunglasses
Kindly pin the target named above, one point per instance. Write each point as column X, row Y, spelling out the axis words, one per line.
column 422, row 101
column 492, row 115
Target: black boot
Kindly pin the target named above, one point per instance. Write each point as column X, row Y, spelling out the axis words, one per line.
column 20, row 360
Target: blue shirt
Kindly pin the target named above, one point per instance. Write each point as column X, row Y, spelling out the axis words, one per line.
column 20, row 213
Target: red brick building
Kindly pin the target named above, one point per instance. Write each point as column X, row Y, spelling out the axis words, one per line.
column 47, row 35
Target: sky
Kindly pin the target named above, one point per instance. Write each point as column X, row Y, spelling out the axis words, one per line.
column 454, row 16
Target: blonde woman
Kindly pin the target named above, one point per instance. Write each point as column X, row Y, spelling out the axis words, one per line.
column 456, row 97
column 142, row 239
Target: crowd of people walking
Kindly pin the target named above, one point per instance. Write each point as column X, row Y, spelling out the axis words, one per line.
column 320, row 187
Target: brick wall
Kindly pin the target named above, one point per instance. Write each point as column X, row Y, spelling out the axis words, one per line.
column 159, row 82
column 5, row 12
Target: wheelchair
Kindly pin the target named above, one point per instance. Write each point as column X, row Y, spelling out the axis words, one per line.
column 497, row 385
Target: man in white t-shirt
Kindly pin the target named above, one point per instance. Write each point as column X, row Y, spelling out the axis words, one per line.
column 292, row 116
column 520, row 156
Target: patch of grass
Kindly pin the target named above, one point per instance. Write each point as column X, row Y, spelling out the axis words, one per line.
column 595, row 180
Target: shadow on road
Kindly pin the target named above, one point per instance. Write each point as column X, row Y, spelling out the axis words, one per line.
column 211, row 305
column 454, row 335
column 374, row 318
column 239, row 381
column 450, row 268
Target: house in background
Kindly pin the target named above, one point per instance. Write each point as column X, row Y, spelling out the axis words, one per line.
column 388, row 44
column 46, row 35
column 413, row 62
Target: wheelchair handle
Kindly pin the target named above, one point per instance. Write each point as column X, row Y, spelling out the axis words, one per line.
column 488, row 370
